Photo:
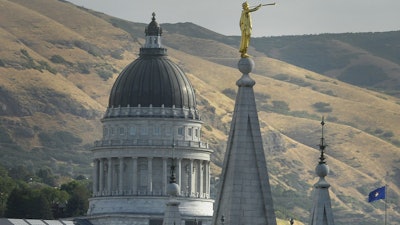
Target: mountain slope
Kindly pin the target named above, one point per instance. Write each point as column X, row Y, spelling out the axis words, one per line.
column 58, row 63
column 364, row 59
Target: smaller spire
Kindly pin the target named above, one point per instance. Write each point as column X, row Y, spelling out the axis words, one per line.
column 321, row 212
column 173, row 188
column 172, row 177
column 322, row 145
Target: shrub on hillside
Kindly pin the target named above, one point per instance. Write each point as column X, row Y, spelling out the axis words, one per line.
column 230, row 93
column 104, row 74
column 281, row 76
column 5, row 136
column 44, row 65
column 261, row 96
column 388, row 134
column 83, row 68
column 322, row 107
column 32, row 64
column 294, row 80
column 59, row 139
column 117, row 54
column 280, row 106
column 60, row 60
column 88, row 47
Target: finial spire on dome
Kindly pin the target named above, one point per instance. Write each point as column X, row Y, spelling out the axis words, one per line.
column 153, row 33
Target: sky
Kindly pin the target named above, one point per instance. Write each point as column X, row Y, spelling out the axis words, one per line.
column 287, row 17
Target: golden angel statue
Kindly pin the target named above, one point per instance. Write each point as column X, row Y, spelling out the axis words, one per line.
column 246, row 27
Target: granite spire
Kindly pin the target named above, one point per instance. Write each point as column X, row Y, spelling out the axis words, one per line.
column 321, row 212
column 172, row 215
column 244, row 195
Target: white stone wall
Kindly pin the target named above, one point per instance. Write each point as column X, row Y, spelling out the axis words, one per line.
column 148, row 206
column 132, row 166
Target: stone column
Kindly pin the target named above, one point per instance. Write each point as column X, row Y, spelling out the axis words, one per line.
column 179, row 172
column 208, row 177
column 201, row 177
column 191, row 177
column 121, row 176
column 150, row 176
column 101, row 178
column 134, row 175
column 109, row 175
column 165, row 176
column 95, row 171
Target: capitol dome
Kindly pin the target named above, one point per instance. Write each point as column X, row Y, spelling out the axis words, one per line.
column 152, row 81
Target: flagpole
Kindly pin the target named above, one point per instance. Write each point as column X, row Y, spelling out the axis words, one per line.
column 386, row 197
column 386, row 194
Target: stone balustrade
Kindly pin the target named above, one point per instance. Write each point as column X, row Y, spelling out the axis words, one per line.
column 160, row 112
column 150, row 142
column 152, row 194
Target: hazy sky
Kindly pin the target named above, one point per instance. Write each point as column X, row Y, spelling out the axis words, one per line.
column 287, row 17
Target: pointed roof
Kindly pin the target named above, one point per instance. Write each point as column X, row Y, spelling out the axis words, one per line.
column 172, row 215
column 244, row 196
column 321, row 212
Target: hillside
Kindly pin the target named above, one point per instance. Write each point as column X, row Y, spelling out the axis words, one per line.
column 368, row 60
column 58, row 63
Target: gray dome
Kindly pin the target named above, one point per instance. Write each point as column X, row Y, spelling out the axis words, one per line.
column 152, row 79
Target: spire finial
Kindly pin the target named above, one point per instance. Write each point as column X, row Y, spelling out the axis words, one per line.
column 322, row 145
column 154, row 16
column 173, row 178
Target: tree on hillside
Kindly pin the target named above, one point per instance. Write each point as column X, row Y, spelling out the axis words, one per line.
column 28, row 203
column 6, row 186
column 46, row 176
column 20, row 173
column 58, row 200
column 78, row 203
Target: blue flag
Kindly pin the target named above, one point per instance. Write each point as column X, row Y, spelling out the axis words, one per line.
column 377, row 194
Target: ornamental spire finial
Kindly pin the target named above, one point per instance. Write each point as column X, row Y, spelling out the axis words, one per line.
column 172, row 178
column 322, row 145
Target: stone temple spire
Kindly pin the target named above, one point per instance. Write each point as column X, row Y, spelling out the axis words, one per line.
column 321, row 213
column 172, row 216
column 244, row 195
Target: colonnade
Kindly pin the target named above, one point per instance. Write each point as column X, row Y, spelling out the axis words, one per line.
column 149, row 176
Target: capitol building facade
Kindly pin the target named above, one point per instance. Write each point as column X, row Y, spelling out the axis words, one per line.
column 150, row 124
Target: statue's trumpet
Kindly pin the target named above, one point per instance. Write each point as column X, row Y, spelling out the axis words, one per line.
column 263, row 5
column 268, row 4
